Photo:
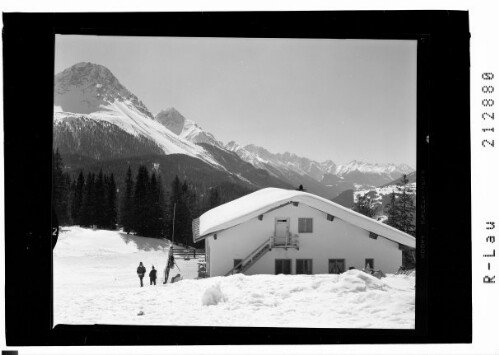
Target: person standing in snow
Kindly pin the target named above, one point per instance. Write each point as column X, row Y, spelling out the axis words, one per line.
column 152, row 276
column 141, row 271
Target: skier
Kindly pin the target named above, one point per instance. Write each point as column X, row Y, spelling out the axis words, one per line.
column 152, row 276
column 141, row 271
column 169, row 264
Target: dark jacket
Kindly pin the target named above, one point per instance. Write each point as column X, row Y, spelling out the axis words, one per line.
column 152, row 274
column 141, row 270
column 171, row 261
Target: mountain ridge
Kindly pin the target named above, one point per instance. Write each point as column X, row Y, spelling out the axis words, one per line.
column 90, row 91
column 95, row 114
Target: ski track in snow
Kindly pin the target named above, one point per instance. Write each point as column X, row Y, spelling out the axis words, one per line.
column 95, row 282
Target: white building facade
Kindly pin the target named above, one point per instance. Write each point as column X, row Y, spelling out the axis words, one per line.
column 275, row 231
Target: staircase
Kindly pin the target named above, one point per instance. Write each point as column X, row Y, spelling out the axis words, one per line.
column 273, row 242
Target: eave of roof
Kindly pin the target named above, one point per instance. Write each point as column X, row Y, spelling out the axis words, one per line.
column 262, row 201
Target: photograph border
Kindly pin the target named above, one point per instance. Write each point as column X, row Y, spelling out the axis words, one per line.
column 441, row 35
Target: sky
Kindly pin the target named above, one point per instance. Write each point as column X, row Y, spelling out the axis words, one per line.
column 322, row 99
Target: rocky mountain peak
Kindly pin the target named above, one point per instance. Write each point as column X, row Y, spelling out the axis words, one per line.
column 87, row 87
column 171, row 119
column 232, row 146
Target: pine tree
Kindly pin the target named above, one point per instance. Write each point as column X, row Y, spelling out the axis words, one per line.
column 87, row 216
column 184, row 215
column 161, row 206
column 393, row 212
column 183, row 219
column 214, row 198
column 407, row 209
column 72, row 193
column 401, row 215
column 61, row 184
column 100, row 202
column 111, row 215
column 407, row 222
column 175, row 197
column 140, row 202
column 126, row 208
column 77, row 200
column 57, row 179
column 66, row 202
column 156, row 209
column 365, row 206
column 193, row 203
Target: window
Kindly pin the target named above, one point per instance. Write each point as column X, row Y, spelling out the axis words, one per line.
column 282, row 266
column 336, row 266
column 304, row 266
column 369, row 263
column 305, row 225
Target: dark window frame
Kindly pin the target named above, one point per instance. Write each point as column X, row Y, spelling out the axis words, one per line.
column 281, row 260
column 304, row 273
column 336, row 259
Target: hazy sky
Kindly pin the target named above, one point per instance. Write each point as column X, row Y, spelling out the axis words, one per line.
column 322, row 99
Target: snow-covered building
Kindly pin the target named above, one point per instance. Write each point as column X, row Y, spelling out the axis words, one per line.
column 274, row 231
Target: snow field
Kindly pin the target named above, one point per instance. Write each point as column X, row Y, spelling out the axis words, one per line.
column 95, row 282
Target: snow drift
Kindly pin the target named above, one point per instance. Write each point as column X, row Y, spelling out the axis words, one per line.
column 213, row 295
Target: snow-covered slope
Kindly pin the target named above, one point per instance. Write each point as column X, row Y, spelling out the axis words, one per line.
column 378, row 193
column 99, row 139
column 91, row 91
column 187, row 129
column 381, row 196
column 95, row 282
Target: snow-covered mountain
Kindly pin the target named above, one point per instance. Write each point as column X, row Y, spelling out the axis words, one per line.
column 89, row 91
column 246, row 155
column 97, row 117
column 355, row 174
column 187, row 129
column 287, row 167
column 260, row 157
column 100, row 124
column 381, row 169
column 367, row 175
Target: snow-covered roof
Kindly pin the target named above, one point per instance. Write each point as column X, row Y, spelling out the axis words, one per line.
column 252, row 205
